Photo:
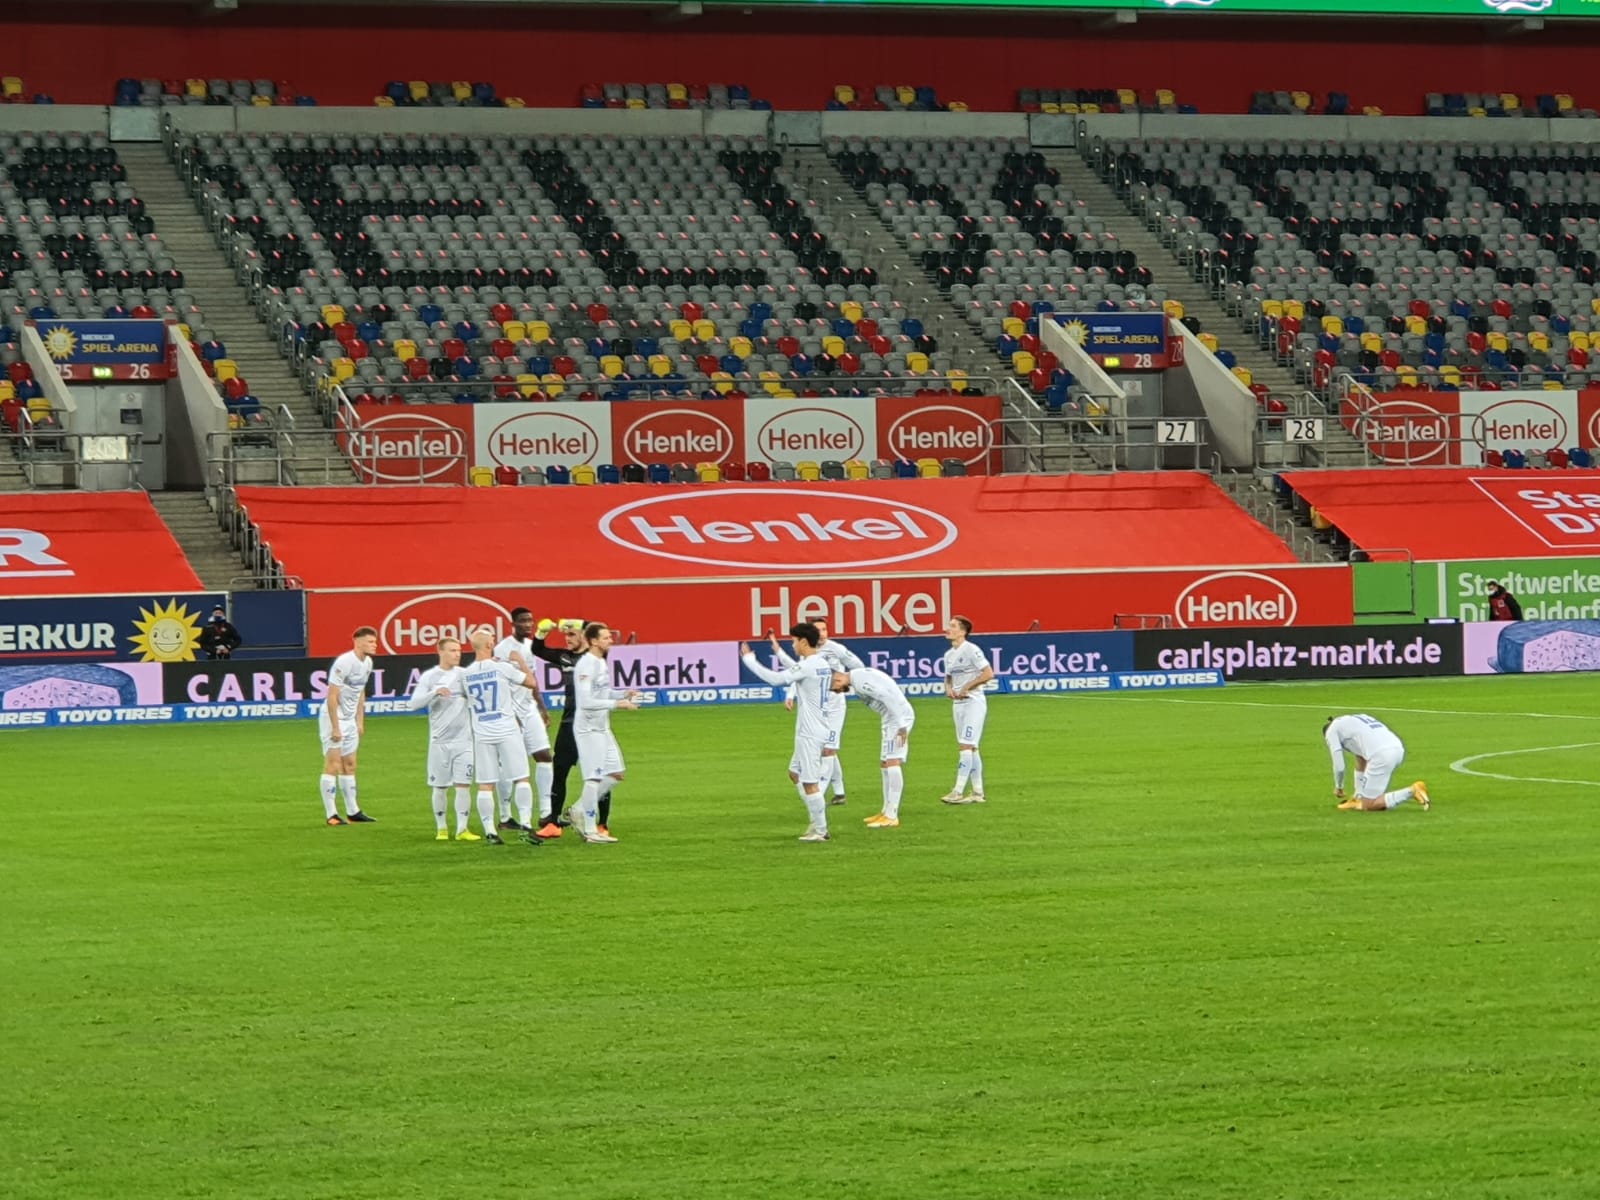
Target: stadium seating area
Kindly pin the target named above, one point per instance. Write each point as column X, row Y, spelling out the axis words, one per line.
column 1298, row 103
column 1502, row 104
column 1099, row 100
column 670, row 95
column 14, row 91
column 420, row 93
column 1418, row 264
column 158, row 93
column 732, row 472
column 611, row 268
column 888, row 97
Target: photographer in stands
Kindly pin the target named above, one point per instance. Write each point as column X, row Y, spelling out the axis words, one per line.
column 219, row 639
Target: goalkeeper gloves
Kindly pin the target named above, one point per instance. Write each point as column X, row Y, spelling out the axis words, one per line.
column 545, row 628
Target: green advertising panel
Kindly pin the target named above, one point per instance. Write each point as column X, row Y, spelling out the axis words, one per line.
column 1282, row 8
column 1549, row 589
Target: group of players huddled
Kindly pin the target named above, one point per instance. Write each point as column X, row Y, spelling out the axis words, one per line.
column 487, row 720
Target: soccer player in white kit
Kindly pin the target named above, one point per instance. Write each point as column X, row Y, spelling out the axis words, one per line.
column 442, row 691
column 341, row 721
column 497, row 745
column 883, row 696
column 1378, row 753
column 599, row 756
column 838, row 656
column 813, row 680
column 532, row 718
column 966, row 670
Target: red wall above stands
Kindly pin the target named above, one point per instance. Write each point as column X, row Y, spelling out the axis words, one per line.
column 344, row 55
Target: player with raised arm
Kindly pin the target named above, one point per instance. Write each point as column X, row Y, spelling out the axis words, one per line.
column 566, row 749
column 532, row 719
column 598, row 753
column 838, row 656
column 1378, row 752
column 813, row 679
column 497, row 744
column 883, row 696
column 966, row 670
column 341, row 721
column 442, row 691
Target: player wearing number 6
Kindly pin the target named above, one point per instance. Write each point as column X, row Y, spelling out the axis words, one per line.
column 1378, row 753
column 497, row 745
column 966, row 670
column 812, row 677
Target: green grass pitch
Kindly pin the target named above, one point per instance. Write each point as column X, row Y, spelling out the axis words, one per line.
column 1157, row 964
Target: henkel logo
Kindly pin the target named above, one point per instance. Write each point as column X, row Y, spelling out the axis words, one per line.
column 678, row 435
column 543, row 436
column 811, row 433
column 404, row 448
column 416, row 626
column 765, row 528
column 1594, row 429
column 942, row 431
column 1518, row 424
column 25, row 554
column 1403, row 431
column 1562, row 517
column 1235, row 598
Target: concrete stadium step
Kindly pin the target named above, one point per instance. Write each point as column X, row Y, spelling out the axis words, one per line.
column 229, row 314
column 193, row 523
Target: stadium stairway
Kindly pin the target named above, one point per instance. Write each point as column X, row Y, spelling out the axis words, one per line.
column 11, row 477
column 229, row 313
column 190, row 518
column 1340, row 448
column 867, row 235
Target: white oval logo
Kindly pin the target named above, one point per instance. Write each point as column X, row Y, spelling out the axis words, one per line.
column 1407, row 432
column 942, row 431
column 804, row 434
column 542, row 436
column 679, row 435
column 787, row 528
column 1235, row 598
column 414, row 626
column 405, row 448
column 1519, row 425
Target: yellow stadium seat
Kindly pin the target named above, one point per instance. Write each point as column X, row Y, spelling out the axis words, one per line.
column 1166, row 96
column 1554, row 385
column 1071, row 108
column 528, row 385
column 332, row 314
column 343, row 368
column 583, row 473
column 39, row 408
column 1244, row 375
column 461, row 90
column 261, row 101
column 1318, row 521
column 722, row 382
column 844, row 93
column 1417, row 325
column 771, row 382
column 1014, row 327
column 481, row 477
column 1301, row 100
column 1578, row 339
column 958, row 380
column 224, row 369
column 1499, row 341
column 741, row 346
column 906, row 94
column 1272, row 308
column 8, row 390
column 709, row 472
column 850, row 310
column 1022, row 362
column 553, row 384
column 1127, row 97
column 833, row 344
column 1563, row 102
column 1372, row 341
column 957, row 106
column 917, row 363
column 1209, row 341
column 610, row 365
column 515, row 102
column 856, row 469
column 185, row 332
column 1333, row 325
column 677, row 91
column 538, row 331
column 1539, row 340
column 636, row 102
column 405, row 349
column 928, row 468
column 660, row 365
column 705, row 329
column 382, row 102
column 1173, row 309
column 515, row 330
column 680, row 329
column 1049, row 106
column 11, row 85
column 808, row 471
column 1295, row 309
column 195, row 87
column 1088, row 109
column 784, row 393
column 1477, row 112
column 1371, row 110
column 1508, row 100
column 418, row 89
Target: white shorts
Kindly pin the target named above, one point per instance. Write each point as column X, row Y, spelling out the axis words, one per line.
column 535, row 737
column 1380, row 769
column 449, row 762
column 836, row 725
column 347, row 743
column 806, row 765
column 893, row 747
column 499, row 756
column 599, row 755
column 969, row 716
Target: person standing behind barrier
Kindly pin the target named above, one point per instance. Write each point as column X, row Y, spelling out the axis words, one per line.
column 1503, row 605
column 566, row 756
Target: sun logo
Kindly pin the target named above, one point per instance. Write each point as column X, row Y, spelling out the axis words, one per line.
column 167, row 633
column 60, row 343
column 1077, row 331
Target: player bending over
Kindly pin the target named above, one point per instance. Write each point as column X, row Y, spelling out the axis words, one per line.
column 883, row 696
column 1378, row 753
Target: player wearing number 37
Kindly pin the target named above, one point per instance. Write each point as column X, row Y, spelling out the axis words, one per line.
column 497, row 745
column 1378, row 753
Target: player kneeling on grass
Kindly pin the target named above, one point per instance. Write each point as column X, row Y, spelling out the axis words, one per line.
column 496, row 734
column 1378, row 753
column 442, row 691
column 883, row 696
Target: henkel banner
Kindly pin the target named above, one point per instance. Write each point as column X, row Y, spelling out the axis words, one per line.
column 704, row 431
column 411, row 444
column 1435, row 429
column 810, row 428
column 88, row 543
column 963, row 429
column 541, row 435
column 411, row 620
column 1515, row 421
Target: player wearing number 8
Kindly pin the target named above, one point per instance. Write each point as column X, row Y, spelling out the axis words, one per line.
column 497, row 744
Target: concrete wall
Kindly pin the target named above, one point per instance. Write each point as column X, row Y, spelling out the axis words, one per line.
column 194, row 411
column 1522, row 131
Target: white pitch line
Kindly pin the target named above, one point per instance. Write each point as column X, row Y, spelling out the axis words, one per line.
column 1433, row 712
column 1463, row 766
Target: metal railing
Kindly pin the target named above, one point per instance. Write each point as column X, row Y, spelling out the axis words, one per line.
column 50, row 457
column 1121, row 443
column 363, row 451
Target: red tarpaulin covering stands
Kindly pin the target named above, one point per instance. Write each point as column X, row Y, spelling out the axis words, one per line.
column 1459, row 513
column 877, row 557
column 87, row 543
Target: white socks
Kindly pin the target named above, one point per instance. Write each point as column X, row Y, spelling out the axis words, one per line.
column 441, row 800
column 894, row 782
column 524, row 795
column 977, row 773
column 347, row 785
column 330, row 794
column 818, row 808
column 463, row 805
column 1396, row 798
column 486, row 809
column 503, row 790
column 588, row 804
column 838, row 778
column 544, row 777
column 964, row 770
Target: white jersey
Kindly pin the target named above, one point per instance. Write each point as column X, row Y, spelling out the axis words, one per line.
column 349, row 674
column 522, row 701
column 813, row 688
column 491, row 686
column 883, row 696
column 593, row 694
column 447, row 716
column 963, row 664
column 1364, row 736
column 840, row 658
